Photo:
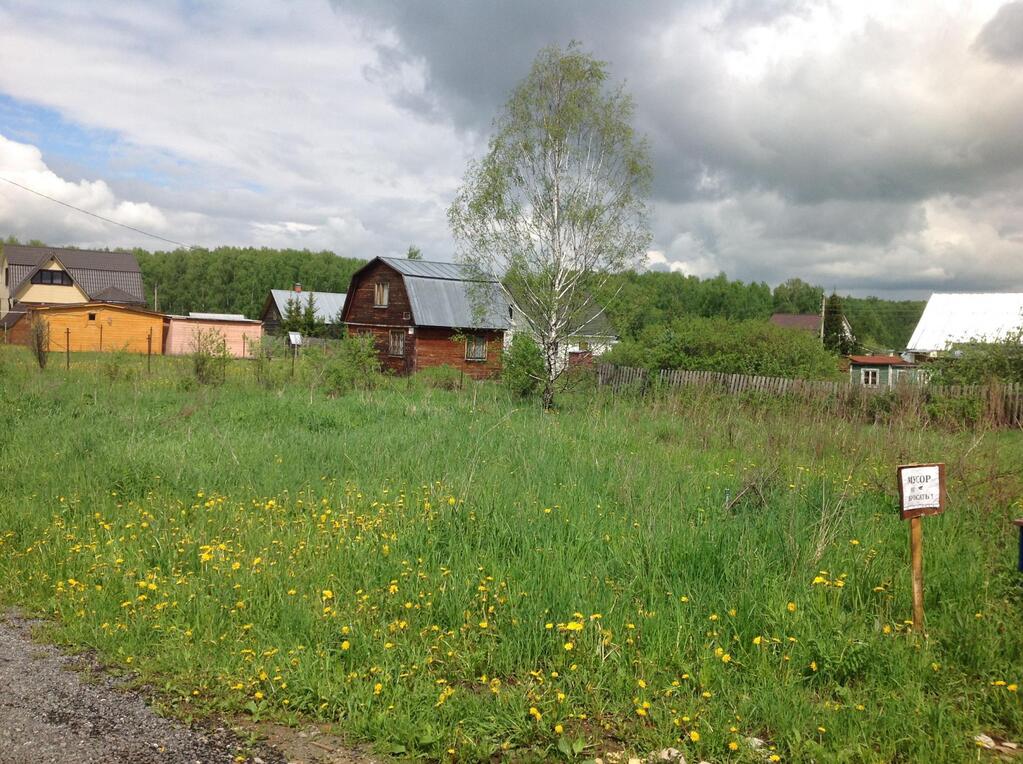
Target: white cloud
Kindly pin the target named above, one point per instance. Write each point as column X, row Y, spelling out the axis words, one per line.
column 25, row 214
column 281, row 134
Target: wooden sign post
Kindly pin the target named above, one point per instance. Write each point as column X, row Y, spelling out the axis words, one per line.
column 921, row 492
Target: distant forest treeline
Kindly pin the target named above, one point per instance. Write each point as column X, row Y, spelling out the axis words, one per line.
column 238, row 279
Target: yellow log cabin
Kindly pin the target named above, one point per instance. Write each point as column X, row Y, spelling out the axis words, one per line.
column 96, row 327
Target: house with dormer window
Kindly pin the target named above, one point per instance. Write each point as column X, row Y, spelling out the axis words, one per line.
column 422, row 313
column 32, row 277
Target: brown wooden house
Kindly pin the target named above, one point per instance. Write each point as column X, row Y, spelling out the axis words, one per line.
column 421, row 314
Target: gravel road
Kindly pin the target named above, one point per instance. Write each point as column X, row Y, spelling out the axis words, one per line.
column 48, row 713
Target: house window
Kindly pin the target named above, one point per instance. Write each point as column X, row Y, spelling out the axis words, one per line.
column 869, row 377
column 55, row 278
column 475, row 348
column 92, row 316
column 380, row 294
column 397, row 344
column 584, row 346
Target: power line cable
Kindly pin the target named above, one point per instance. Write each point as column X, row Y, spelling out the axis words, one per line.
column 98, row 217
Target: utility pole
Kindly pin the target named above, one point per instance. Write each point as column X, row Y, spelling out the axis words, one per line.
column 156, row 297
column 823, row 305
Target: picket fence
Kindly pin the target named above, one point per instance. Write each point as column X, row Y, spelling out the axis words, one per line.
column 1003, row 404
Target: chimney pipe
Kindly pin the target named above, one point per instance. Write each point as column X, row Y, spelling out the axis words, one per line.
column 297, row 287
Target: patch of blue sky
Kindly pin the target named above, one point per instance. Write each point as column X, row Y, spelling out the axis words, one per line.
column 76, row 150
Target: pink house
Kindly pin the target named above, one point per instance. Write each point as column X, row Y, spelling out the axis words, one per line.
column 243, row 335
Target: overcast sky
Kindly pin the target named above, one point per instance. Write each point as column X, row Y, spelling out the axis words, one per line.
column 870, row 147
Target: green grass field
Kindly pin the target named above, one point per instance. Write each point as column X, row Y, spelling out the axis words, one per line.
column 455, row 575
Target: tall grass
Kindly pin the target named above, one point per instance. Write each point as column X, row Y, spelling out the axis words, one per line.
column 456, row 574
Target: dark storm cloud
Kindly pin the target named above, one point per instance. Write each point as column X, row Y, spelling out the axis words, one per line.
column 1002, row 37
column 773, row 154
column 476, row 51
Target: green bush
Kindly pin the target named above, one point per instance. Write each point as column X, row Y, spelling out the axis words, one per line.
column 355, row 365
column 210, row 357
column 442, row 377
column 730, row 347
column 268, row 373
column 979, row 362
column 957, row 411
column 522, row 367
column 117, row 365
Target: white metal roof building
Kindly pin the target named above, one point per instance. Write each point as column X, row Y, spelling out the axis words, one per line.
column 953, row 318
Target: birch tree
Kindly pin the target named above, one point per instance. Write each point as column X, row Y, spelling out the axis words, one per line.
column 556, row 206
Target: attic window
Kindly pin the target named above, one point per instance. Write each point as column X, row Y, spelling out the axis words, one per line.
column 54, row 278
column 92, row 316
column 381, row 292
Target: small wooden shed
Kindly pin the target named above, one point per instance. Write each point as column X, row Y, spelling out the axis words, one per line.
column 95, row 327
column 242, row 335
column 881, row 370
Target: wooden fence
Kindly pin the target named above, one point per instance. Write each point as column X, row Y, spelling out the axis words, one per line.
column 1002, row 404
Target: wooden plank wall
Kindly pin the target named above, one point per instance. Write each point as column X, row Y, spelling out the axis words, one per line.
column 1003, row 403
column 436, row 347
column 121, row 330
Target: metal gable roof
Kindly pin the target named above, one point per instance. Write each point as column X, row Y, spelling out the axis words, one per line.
column 951, row 318
column 450, row 303
column 327, row 304
column 433, row 269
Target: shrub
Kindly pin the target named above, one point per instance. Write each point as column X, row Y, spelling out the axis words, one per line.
column 209, row 357
column 117, row 366
column 522, row 368
column 39, row 340
column 355, row 366
column 980, row 362
column 268, row 374
column 444, row 377
column 731, row 347
column 955, row 411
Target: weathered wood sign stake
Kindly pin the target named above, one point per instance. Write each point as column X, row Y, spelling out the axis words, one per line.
column 1018, row 522
column 921, row 492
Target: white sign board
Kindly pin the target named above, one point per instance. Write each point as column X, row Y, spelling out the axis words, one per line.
column 921, row 489
column 294, row 339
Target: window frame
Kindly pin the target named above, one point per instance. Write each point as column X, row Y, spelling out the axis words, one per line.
column 396, row 334
column 476, row 341
column 381, row 288
column 45, row 277
column 876, row 371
